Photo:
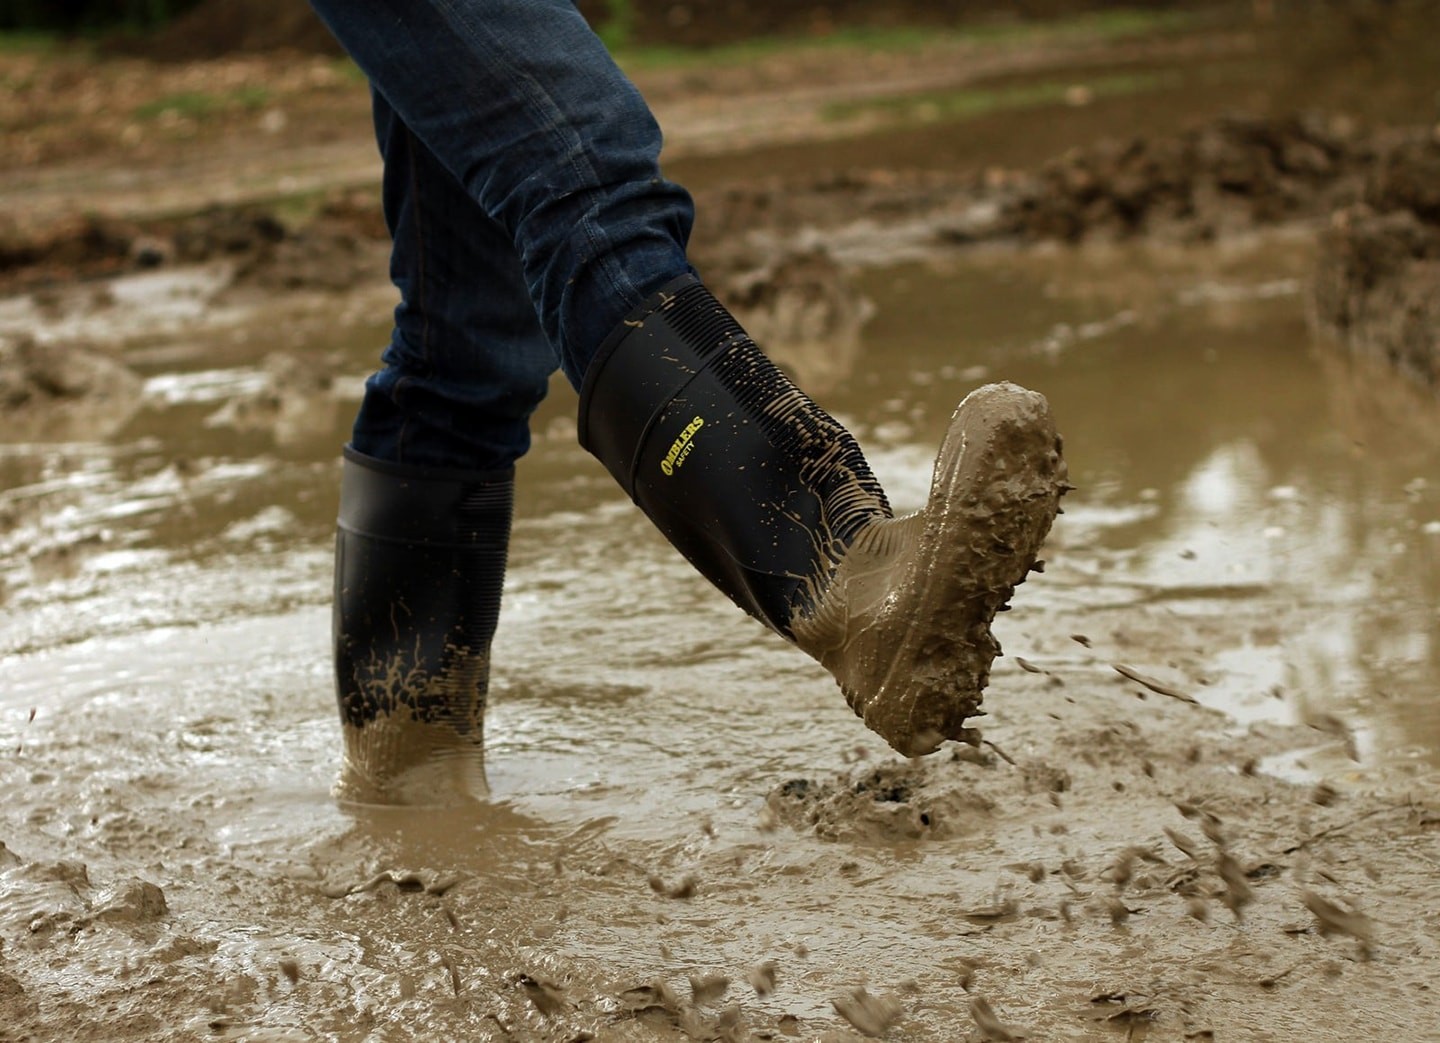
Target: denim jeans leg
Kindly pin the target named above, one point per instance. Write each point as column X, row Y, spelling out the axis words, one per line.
column 520, row 101
column 467, row 362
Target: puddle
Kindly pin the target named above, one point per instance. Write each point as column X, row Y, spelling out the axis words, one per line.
column 1222, row 468
column 1222, row 458
column 1255, row 526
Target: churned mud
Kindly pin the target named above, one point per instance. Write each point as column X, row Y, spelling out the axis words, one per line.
column 1200, row 803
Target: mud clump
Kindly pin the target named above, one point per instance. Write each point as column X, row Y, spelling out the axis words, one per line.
column 1377, row 282
column 63, row 391
column 872, row 1016
column 13, row 999
column 339, row 244
column 894, row 802
column 1230, row 175
column 133, row 901
column 297, row 399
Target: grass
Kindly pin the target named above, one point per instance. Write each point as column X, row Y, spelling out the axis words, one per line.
column 973, row 102
column 618, row 27
column 348, row 71
column 201, row 104
column 19, row 42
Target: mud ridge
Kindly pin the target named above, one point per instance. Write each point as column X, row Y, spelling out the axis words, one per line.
column 1377, row 284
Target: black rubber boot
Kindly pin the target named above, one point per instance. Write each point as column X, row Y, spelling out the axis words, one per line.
column 772, row 500
column 419, row 566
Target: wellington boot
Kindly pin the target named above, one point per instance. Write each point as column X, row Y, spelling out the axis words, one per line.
column 772, row 500
column 419, row 565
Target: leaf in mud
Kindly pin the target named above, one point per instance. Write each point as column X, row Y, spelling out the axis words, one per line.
column 1337, row 920
column 870, row 1015
column 708, row 988
column 990, row 1025
column 547, row 997
column 1035, row 871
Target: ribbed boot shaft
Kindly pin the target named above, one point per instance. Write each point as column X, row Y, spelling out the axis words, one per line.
column 753, row 482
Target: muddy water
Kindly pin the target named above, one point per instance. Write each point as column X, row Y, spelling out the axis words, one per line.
column 1223, row 456
column 166, row 711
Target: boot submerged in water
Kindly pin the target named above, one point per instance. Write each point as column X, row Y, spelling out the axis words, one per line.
column 419, row 565
column 773, row 501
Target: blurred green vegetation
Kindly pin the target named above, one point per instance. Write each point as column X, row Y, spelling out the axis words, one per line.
column 617, row 26
column 199, row 104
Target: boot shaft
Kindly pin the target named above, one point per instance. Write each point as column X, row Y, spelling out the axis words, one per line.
column 419, row 569
column 744, row 474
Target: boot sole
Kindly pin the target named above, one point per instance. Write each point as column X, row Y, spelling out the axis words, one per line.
column 904, row 624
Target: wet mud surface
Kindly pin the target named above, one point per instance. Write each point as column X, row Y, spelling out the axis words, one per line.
column 1202, row 803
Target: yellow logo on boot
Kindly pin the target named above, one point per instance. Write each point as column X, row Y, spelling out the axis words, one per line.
column 680, row 448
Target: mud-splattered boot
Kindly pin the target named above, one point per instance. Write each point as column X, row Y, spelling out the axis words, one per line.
column 772, row 500
column 419, row 566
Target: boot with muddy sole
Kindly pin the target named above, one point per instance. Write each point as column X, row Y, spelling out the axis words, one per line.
column 773, row 501
column 420, row 559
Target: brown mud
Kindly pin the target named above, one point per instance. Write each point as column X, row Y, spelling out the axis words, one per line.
column 1377, row 287
column 1202, row 803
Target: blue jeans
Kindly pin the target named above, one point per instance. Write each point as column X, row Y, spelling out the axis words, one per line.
column 523, row 194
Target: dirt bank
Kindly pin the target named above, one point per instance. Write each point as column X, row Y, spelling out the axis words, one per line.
column 1377, row 285
column 771, row 246
column 1230, row 176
